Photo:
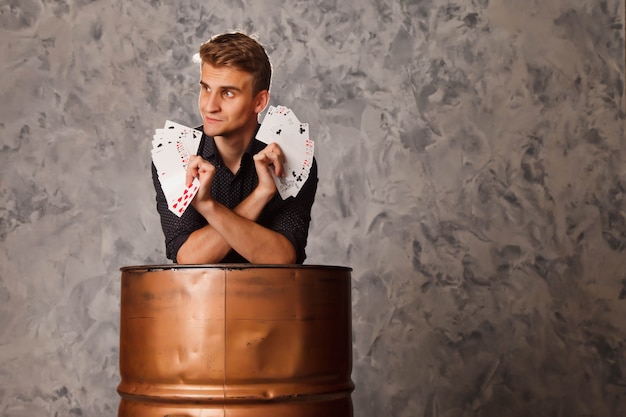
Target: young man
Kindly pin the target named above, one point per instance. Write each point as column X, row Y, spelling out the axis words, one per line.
column 237, row 214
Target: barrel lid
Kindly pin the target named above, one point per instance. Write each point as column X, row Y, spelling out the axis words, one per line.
column 228, row 267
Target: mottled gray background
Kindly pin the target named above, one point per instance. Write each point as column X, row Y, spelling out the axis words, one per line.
column 471, row 172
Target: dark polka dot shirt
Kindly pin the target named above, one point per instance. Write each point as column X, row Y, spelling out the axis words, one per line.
column 290, row 217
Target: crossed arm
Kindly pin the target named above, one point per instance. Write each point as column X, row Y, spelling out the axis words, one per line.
column 236, row 229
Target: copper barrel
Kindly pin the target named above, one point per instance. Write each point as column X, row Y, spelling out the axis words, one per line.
column 236, row 341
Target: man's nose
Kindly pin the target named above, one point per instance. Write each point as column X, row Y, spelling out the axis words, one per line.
column 212, row 102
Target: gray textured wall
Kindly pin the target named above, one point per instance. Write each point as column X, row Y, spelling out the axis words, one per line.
column 471, row 172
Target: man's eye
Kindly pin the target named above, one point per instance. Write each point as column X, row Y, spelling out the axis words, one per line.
column 228, row 94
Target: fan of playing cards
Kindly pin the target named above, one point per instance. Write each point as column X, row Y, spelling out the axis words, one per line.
column 174, row 144
column 171, row 148
column 281, row 125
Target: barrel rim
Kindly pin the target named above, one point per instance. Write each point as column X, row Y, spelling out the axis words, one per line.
column 228, row 267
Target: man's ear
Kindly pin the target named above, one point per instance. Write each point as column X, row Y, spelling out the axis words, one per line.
column 261, row 100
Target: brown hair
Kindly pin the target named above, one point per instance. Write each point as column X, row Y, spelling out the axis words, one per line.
column 240, row 51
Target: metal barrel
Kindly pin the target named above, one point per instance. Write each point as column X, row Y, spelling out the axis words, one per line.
column 235, row 340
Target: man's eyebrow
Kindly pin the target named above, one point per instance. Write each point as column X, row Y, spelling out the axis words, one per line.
column 222, row 87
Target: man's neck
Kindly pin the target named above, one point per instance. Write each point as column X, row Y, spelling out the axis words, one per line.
column 232, row 148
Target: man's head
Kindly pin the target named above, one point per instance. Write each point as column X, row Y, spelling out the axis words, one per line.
column 239, row 51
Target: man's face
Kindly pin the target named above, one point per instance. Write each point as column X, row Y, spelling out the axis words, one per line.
column 226, row 103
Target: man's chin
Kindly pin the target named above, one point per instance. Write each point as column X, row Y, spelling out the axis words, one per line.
column 212, row 131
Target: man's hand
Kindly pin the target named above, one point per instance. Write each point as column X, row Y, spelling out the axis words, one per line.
column 270, row 159
column 204, row 171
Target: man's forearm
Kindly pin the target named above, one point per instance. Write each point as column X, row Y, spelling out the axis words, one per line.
column 254, row 242
column 206, row 245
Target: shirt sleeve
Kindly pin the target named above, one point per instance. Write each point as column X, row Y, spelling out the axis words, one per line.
column 292, row 217
column 176, row 229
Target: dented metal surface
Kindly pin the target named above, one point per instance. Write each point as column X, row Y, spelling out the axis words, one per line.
column 235, row 340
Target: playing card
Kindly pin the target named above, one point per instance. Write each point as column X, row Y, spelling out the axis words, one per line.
column 172, row 147
column 179, row 203
column 281, row 126
column 190, row 137
column 274, row 119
